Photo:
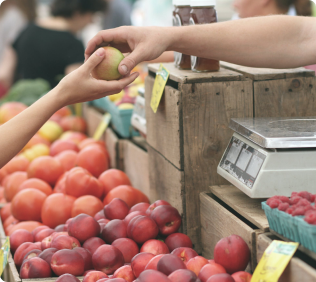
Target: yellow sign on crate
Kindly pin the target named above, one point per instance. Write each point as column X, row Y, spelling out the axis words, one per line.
column 274, row 261
column 159, row 86
column 102, row 126
column 4, row 254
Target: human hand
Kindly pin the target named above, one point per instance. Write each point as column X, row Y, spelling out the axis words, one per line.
column 79, row 86
column 144, row 43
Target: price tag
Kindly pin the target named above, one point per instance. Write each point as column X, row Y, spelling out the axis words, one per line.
column 159, row 86
column 102, row 126
column 78, row 109
column 274, row 261
column 4, row 254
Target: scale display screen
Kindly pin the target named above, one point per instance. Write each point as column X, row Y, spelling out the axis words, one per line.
column 242, row 161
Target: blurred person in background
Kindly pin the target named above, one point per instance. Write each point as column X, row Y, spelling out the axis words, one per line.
column 48, row 48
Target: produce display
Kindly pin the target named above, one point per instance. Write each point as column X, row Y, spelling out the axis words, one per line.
column 68, row 214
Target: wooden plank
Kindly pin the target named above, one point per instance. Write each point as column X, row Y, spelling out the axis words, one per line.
column 285, row 98
column 187, row 76
column 164, row 129
column 93, row 119
column 136, row 166
column 111, row 141
column 297, row 270
column 207, row 110
column 242, row 204
column 166, row 182
column 217, row 222
column 258, row 74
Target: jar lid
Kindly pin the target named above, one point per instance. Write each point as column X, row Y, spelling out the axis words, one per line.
column 202, row 3
column 181, row 2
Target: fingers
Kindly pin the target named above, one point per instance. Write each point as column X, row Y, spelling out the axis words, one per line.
column 94, row 60
column 117, row 85
column 131, row 61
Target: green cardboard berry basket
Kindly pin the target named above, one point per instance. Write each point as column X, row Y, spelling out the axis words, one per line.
column 294, row 228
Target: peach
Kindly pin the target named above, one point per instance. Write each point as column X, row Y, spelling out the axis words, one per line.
column 87, row 257
column 32, row 254
column 152, row 264
column 232, row 253
column 142, row 229
column 195, row 264
column 40, row 236
column 103, row 222
column 131, row 215
column 116, row 209
column 99, row 215
column 125, row 272
column 142, row 207
column 242, row 276
column 93, row 276
column 128, row 248
column 152, row 276
column 93, row 244
column 185, row 254
column 67, row 278
column 209, row 270
column 167, row 218
column 223, row 277
column 65, row 242
column 155, row 247
column 83, row 227
column 170, row 263
column 47, row 254
column 35, row 268
column 60, row 228
column 183, row 275
column 139, row 262
column 155, row 205
column 22, row 250
column 115, row 229
column 67, row 261
column 39, row 229
column 107, row 259
column 19, row 237
column 177, row 240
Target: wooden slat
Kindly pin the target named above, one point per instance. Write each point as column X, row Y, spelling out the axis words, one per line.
column 217, row 223
column 242, row 204
column 207, row 110
column 111, row 141
column 297, row 270
column 93, row 119
column 285, row 98
column 187, row 76
column 258, row 74
column 136, row 166
column 164, row 128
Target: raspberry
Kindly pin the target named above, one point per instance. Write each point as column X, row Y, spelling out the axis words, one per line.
column 313, row 198
column 290, row 210
column 299, row 211
column 272, row 199
column 283, row 206
column 294, row 194
column 306, row 195
column 284, row 199
column 295, row 199
column 304, row 202
column 274, row 203
column 311, row 218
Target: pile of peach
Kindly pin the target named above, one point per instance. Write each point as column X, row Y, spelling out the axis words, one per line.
column 124, row 244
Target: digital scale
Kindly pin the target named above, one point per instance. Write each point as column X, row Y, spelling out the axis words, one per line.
column 138, row 120
column 271, row 156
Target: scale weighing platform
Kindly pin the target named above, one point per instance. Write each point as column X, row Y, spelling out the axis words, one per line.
column 271, row 156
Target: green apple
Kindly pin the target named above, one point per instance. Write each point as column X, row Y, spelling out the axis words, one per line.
column 108, row 68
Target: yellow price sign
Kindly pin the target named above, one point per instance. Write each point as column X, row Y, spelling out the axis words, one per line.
column 159, row 86
column 4, row 254
column 274, row 261
column 102, row 126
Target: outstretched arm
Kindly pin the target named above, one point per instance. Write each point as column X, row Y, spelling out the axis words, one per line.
column 270, row 42
column 78, row 86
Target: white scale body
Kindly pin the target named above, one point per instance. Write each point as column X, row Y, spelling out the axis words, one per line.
column 271, row 156
column 138, row 120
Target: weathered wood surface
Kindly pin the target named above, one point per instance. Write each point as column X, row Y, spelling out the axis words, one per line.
column 217, row 222
column 297, row 270
column 164, row 129
column 111, row 141
column 248, row 208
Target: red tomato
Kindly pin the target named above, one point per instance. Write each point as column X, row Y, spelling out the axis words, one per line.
column 27, row 205
column 56, row 209
column 5, row 212
column 73, row 123
column 67, row 159
column 36, row 139
column 80, row 182
column 77, row 137
column 62, row 145
column 113, row 178
column 12, row 184
column 60, row 186
column 3, row 174
column 26, row 225
column 46, row 168
column 38, row 184
column 18, row 163
column 86, row 204
column 93, row 159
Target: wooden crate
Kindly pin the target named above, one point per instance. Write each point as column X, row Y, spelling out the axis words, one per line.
column 222, row 216
column 301, row 268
